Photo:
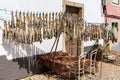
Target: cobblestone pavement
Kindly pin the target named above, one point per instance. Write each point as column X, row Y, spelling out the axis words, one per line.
column 109, row 72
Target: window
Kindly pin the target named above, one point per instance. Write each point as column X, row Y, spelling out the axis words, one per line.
column 115, row 24
column 73, row 7
column 115, row 2
column 114, row 31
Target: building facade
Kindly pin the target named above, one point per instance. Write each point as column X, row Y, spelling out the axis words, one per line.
column 113, row 17
column 90, row 10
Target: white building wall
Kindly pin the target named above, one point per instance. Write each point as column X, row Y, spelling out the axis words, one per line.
column 10, row 49
column 92, row 13
column 92, row 10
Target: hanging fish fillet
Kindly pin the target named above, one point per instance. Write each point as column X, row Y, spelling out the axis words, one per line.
column 5, row 30
column 31, row 28
column 52, row 25
column 16, row 29
column 13, row 26
column 29, row 24
column 20, row 28
column 56, row 25
column 34, row 26
column 9, row 30
column 39, row 28
column 44, row 26
column 24, row 38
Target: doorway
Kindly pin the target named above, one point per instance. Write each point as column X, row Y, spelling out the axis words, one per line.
column 74, row 9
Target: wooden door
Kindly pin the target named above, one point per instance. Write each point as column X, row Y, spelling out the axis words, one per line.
column 70, row 41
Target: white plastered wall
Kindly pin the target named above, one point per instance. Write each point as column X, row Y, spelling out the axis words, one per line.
column 92, row 14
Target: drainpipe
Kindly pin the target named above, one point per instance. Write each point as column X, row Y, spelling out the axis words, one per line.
column 104, row 4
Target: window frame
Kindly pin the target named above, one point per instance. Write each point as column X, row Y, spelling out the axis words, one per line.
column 118, row 2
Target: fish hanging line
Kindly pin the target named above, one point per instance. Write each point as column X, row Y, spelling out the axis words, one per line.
column 8, row 12
column 40, row 26
column 4, row 11
column 85, row 24
column 95, row 24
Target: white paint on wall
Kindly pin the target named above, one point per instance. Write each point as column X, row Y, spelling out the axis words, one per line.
column 92, row 13
column 32, row 5
column 92, row 10
column 10, row 49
